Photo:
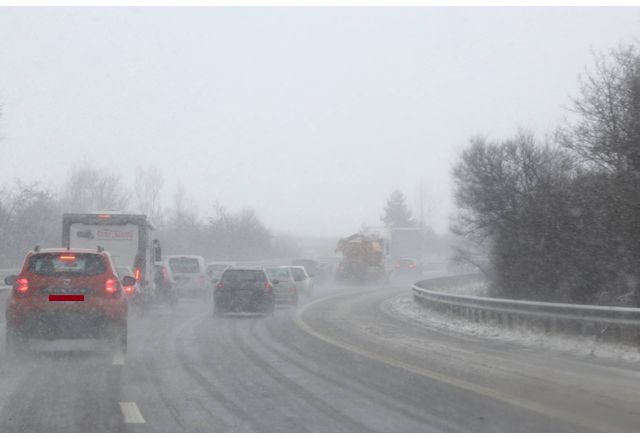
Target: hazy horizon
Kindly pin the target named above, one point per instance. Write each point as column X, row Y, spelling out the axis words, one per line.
column 311, row 116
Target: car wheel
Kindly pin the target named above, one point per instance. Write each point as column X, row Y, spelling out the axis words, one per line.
column 218, row 310
column 118, row 335
column 173, row 300
column 123, row 338
column 271, row 308
column 15, row 342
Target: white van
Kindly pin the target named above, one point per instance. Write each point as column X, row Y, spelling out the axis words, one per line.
column 190, row 275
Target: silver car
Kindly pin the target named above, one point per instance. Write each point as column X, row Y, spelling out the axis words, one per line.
column 284, row 286
column 302, row 281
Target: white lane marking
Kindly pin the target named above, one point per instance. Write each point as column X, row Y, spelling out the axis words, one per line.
column 131, row 413
column 118, row 359
column 577, row 419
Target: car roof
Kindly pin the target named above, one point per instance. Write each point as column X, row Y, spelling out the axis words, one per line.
column 68, row 250
column 299, row 267
column 245, row 269
column 183, row 256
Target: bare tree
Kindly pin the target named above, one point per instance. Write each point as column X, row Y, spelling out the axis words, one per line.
column 513, row 199
column 148, row 188
column 29, row 216
column 88, row 189
column 607, row 137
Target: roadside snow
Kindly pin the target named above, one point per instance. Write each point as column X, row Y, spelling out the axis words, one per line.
column 405, row 307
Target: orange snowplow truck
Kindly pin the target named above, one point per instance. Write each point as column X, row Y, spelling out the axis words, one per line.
column 362, row 259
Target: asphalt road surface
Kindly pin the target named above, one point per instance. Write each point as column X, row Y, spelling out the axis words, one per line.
column 342, row 362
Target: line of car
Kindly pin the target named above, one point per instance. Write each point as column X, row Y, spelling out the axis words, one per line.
column 81, row 293
column 259, row 289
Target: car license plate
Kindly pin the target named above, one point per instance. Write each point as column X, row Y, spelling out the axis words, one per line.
column 66, row 297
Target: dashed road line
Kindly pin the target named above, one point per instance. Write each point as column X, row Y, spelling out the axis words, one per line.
column 131, row 413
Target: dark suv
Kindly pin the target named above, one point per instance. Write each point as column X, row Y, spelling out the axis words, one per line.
column 243, row 289
column 66, row 293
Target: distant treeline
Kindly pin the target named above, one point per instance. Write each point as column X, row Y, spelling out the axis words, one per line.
column 31, row 214
column 559, row 220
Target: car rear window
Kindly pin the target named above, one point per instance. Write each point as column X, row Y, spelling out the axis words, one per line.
column 298, row 274
column 244, row 276
column 310, row 265
column 67, row 264
column 124, row 271
column 279, row 273
column 184, row 265
column 217, row 268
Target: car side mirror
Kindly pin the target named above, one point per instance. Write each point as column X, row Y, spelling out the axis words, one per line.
column 276, row 282
column 10, row 280
column 128, row 281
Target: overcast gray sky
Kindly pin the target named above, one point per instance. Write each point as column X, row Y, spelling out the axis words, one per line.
column 312, row 116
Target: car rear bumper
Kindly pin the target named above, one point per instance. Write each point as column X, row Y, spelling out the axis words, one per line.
column 243, row 301
column 40, row 318
column 63, row 324
column 285, row 298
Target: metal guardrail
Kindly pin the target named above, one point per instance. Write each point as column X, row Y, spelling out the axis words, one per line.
column 605, row 323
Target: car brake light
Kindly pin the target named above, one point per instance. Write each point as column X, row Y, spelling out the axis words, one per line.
column 111, row 286
column 129, row 289
column 138, row 274
column 67, row 257
column 104, row 216
column 22, row 285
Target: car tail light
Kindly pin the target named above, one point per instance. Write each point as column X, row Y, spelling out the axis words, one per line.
column 111, row 286
column 129, row 289
column 219, row 286
column 411, row 266
column 268, row 287
column 22, row 285
column 292, row 289
column 138, row 274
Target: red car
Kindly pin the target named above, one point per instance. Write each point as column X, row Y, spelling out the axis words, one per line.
column 67, row 293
